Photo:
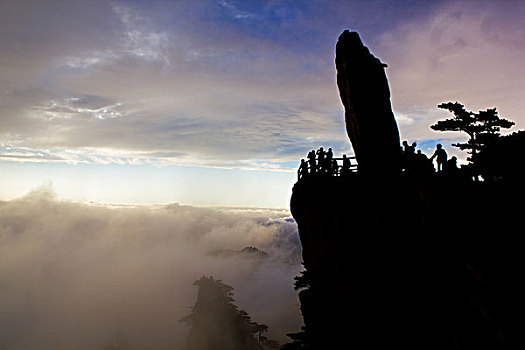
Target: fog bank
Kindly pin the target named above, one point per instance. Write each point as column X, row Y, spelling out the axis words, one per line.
column 74, row 275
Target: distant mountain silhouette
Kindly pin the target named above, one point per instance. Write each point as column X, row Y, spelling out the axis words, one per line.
column 399, row 255
column 216, row 322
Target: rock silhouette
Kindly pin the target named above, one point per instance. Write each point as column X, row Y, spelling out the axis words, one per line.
column 405, row 260
column 217, row 323
column 365, row 94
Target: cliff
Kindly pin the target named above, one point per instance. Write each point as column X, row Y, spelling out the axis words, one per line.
column 435, row 264
column 406, row 260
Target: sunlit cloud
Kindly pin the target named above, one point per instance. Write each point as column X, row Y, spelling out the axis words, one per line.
column 461, row 52
column 180, row 106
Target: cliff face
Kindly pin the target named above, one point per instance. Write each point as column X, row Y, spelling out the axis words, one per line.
column 434, row 264
column 404, row 260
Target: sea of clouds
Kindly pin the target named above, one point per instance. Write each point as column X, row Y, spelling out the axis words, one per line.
column 76, row 275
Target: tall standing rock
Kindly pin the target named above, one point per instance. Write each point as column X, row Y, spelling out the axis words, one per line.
column 364, row 91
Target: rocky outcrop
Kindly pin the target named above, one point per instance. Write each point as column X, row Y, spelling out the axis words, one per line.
column 404, row 261
column 365, row 94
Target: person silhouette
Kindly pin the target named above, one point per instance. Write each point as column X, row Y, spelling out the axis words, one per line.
column 329, row 156
column 441, row 157
column 410, row 157
column 422, row 164
column 320, row 160
column 303, row 169
column 407, row 155
column 406, row 147
column 345, row 169
column 334, row 169
column 327, row 162
column 452, row 166
column 311, row 162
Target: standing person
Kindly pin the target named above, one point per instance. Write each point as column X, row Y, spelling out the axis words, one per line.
column 328, row 160
column 407, row 155
column 311, row 162
column 423, row 164
column 441, row 157
column 452, row 166
column 334, row 169
column 320, row 160
column 406, row 147
column 303, row 169
column 345, row 170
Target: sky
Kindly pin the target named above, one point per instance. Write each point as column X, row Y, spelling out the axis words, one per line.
column 213, row 103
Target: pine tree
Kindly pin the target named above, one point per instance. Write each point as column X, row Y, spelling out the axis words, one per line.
column 482, row 127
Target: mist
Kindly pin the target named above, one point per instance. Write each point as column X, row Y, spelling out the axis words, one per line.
column 74, row 275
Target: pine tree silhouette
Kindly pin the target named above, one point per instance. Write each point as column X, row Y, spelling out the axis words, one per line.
column 482, row 127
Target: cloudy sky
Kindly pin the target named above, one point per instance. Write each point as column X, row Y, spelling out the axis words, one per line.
column 214, row 102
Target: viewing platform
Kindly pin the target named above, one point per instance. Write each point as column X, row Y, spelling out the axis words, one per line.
column 323, row 163
column 408, row 162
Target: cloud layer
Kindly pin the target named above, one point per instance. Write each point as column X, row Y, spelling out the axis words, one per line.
column 235, row 83
column 75, row 275
column 463, row 52
column 156, row 84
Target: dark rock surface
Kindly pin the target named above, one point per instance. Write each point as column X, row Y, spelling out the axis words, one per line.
column 435, row 264
column 365, row 94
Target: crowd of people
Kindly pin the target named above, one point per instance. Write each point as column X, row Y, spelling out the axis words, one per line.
column 323, row 162
column 416, row 162
column 412, row 162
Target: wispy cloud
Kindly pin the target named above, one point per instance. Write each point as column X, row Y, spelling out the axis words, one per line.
column 240, row 83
